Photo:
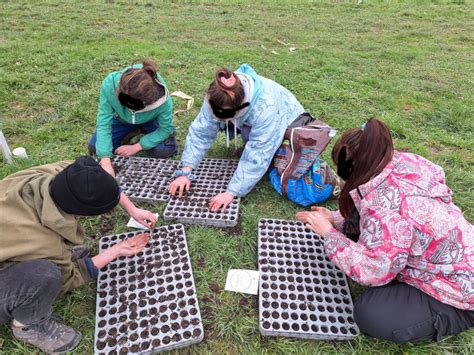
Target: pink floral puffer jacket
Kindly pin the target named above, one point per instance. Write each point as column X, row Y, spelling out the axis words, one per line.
column 410, row 230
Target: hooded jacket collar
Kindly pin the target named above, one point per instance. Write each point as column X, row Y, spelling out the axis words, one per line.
column 249, row 72
column 248, row 86
column 153, row 106
column 157, row 103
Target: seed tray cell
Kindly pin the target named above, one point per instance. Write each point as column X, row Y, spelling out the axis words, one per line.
column 301, row 294
column 147, row 302
column 145, row 179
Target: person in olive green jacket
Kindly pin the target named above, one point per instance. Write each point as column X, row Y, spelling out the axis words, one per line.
column 41, row 244
column 134, row 100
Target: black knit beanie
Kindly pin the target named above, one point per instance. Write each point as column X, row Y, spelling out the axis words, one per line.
column 85, row 189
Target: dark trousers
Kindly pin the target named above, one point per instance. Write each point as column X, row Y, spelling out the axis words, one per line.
column 28, row 290
column 123, row 132
column 402, row 313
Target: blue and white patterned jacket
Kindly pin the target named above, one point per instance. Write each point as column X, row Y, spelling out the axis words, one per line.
column 272, row 109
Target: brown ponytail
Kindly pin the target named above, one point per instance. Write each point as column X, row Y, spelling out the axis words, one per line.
column 361, row 154
column 225, row 96
column 149, row 66
column 141, row 84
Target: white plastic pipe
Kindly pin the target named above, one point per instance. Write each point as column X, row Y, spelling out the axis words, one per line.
column 7, row 154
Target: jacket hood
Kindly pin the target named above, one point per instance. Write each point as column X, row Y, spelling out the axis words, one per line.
column 157, row 103
column 257, row 82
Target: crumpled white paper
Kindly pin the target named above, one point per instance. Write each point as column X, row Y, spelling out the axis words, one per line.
column 133, row 223
column 184, row 96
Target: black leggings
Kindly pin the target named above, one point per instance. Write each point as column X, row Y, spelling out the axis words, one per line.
column 402, row 313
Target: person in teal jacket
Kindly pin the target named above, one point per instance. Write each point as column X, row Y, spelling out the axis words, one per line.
column 256, row 107
column 134, row 100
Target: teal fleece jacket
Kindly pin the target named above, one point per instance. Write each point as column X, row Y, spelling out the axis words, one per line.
column 110, row 106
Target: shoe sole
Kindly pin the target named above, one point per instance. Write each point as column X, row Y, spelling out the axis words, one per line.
column 73, row 346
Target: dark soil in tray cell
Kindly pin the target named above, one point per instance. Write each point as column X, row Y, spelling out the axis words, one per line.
column 135, row 348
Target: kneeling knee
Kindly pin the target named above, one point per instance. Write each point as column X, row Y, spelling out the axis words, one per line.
column 163, row 153
column 371, row 322
column 45, row 275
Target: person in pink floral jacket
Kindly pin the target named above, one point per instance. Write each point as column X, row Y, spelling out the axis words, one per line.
column 398, row 231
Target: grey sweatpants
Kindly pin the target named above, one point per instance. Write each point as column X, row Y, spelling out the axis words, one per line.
column 28, row 290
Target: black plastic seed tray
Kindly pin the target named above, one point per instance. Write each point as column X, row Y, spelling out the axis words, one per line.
column 195, row 210
column 147, row 303
column 212, row 178
column 301, row 294
column 145, row 179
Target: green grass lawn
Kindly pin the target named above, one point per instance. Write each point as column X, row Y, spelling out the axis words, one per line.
column 411, row 64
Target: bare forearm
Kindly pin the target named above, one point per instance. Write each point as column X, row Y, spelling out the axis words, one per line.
column 105, row 257
column 126, row 204
column 105, row 161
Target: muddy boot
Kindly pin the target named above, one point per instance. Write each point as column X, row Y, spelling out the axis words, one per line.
column 79, row 252
column 51, row 335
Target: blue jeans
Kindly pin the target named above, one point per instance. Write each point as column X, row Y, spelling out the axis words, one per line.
column 122, row 131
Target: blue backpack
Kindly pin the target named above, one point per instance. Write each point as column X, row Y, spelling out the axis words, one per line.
column 299, row 174
column 309, row 189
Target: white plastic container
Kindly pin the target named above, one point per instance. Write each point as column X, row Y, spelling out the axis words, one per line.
column 20, row 152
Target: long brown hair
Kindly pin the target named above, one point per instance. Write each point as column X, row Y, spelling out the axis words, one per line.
column 226, row 96
column 360, row 154
column 141, row 83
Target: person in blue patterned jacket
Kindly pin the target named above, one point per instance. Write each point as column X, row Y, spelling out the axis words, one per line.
column 240, row 102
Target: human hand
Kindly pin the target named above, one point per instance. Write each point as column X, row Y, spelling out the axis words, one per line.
column 106, row 164
column 316, row 209
column 325, row 212
column 315, row 221
column 128, row 150
column 181, row 184
column 144, row 217
column 133, row 245
column 221, row 201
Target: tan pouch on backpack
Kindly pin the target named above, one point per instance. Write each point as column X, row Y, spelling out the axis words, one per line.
column 300, row 148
